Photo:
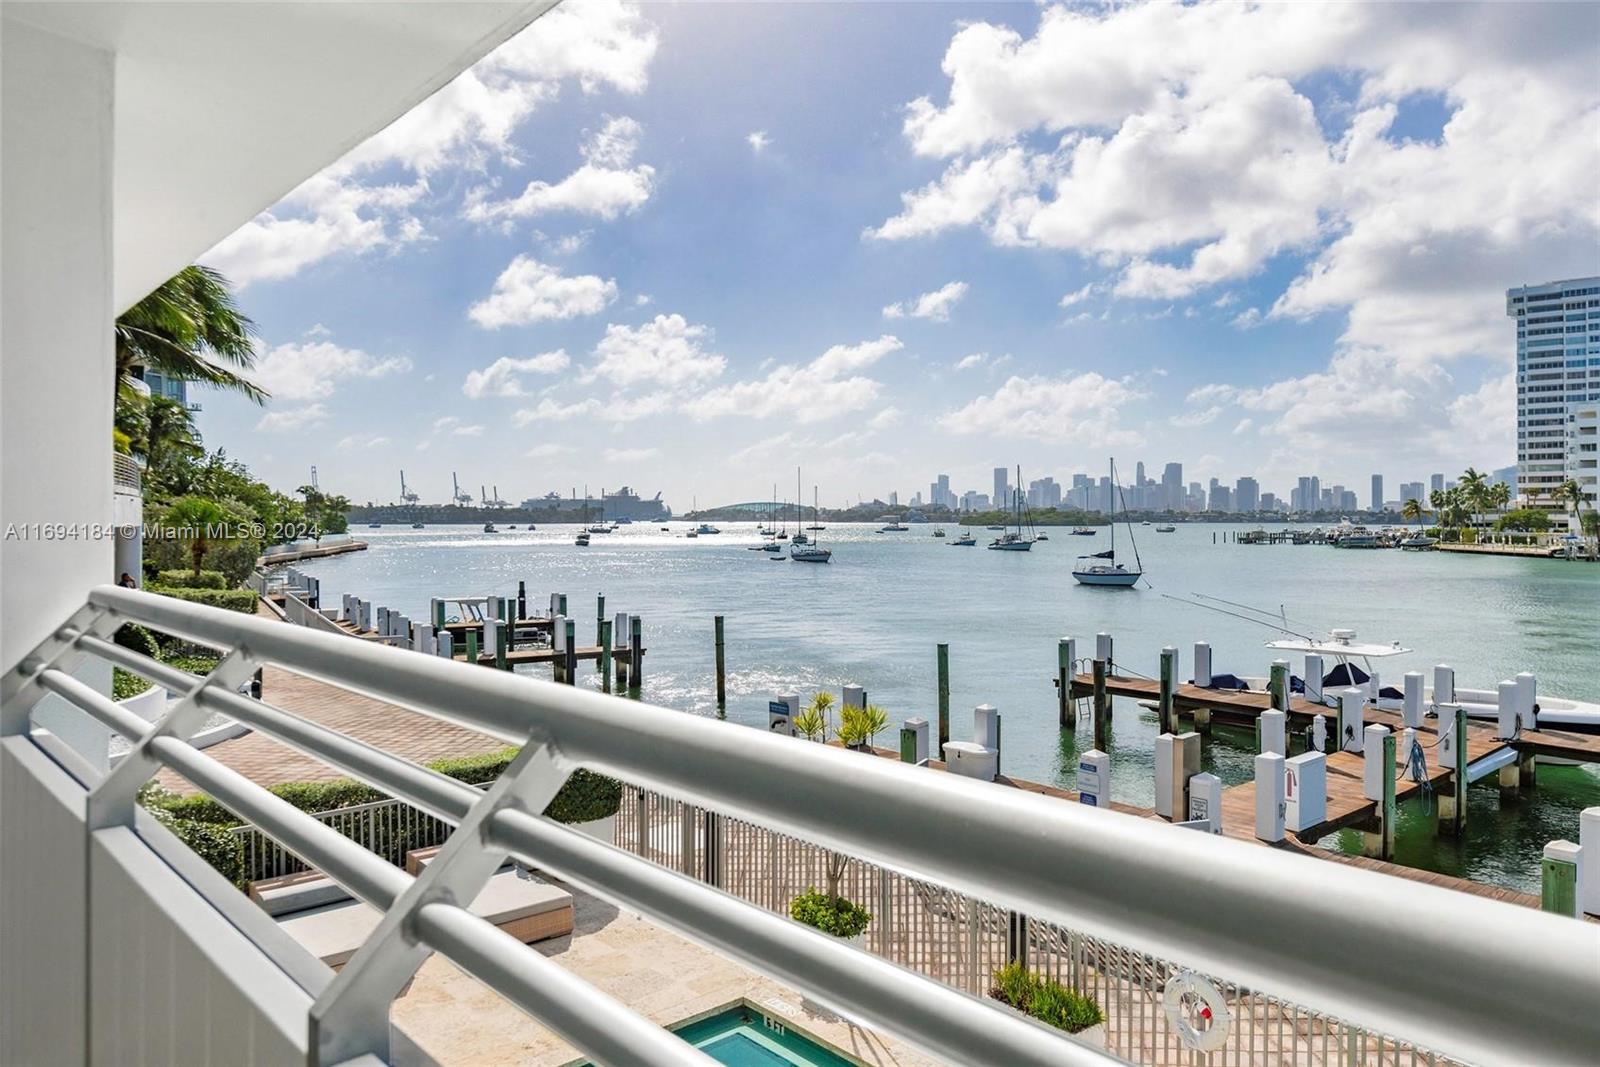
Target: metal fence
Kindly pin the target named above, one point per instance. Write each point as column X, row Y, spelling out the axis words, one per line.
column 962, row 941
column 390, row 828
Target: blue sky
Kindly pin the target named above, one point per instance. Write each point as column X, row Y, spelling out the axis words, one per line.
column 891, row 241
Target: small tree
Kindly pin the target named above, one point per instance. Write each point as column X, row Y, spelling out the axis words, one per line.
column 200, row 524
column 1412, row 511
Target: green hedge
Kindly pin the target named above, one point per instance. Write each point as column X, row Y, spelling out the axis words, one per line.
column 1044, row 998
column 136, row 638
column 188, row 579
column 125, row 684
column 585, row 797
column 839, row 916
column 212, row 843
column 241, row 600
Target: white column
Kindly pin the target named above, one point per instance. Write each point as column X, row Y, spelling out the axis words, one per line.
column 854, row 697
column 1313, row 671
column 1527, row 697
column 1413, row 704
column 1507, row 718
column 1444, row 684
column 1094, row 778
column 1352, row 719
column 1372, row 762
column 1274, row 732
column 1269, row 796
column 1202, row 664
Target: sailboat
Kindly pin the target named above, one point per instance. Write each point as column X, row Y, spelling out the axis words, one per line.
column 802, row 552
column 800, row 537
column 1102, row 568
column 1015, row 540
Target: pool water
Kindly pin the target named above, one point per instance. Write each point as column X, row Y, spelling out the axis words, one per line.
column 744, row 1037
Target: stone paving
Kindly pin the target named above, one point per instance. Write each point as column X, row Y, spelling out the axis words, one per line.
column 660, row 975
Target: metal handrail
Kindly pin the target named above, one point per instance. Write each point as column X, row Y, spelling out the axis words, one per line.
column 1220, row 906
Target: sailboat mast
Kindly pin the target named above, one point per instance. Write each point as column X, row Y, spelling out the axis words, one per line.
column 1113, row 491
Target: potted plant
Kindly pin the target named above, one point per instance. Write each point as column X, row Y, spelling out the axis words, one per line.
column 831, row 913
column 812, row 722
column 1050, row 1002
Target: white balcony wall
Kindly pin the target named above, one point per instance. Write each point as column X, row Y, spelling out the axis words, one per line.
column 56, row 362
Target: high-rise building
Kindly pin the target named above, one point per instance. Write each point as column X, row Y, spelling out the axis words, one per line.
column 1002, row 488
column 1172, row 487
column 1197, row 497
column 1558, row 369
column 894, row 499
column 1436, row 483
column 1269, row 502
column 1412, row 491
column 939, row 494
column 1377, row 492
column 1246, row 495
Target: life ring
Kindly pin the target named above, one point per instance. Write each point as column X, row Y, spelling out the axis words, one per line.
column 1196, row 1010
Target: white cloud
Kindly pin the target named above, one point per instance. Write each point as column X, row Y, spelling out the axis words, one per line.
column 548, row 450
column 599, row 44
column 618, row 409
column 285, row 420
column 503, row 376
column 758, row 141
column 1243, row 425
column 977, row 359
column 935, row 305
column 362, row 441
column 528, row 291
column 1049, row 409
column 605, row 186
column 1202, row 417
column 468, row 431
column 1248, row 319
column 1078, row 296
column 883, row 420
column 824, row 388
column 667, row 350
column 312, row 370
column 629, row 455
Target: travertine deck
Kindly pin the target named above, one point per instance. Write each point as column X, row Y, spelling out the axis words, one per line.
column 669, row 980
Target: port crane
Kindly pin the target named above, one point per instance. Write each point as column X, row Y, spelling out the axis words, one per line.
column 406, row 495
column 456, row 495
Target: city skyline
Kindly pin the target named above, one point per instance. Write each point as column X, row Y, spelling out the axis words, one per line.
column 699, row 251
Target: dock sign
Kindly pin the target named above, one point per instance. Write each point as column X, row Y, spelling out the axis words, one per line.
column 1094, row 778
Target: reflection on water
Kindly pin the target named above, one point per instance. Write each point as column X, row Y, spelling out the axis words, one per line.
column 874, row 616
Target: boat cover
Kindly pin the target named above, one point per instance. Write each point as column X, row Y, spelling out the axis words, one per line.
column 1228, row 681
column 1346, row 674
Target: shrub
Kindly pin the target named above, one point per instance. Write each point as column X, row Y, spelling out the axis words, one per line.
column 213, row 843
column 241, row 600
column 184, row 579
column 1044, row 998
column 587, row 796
column 194, row 663
column 125, row 684
column 839, row 916
column 136, row 638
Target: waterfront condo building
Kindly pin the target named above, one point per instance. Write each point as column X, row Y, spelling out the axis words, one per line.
column 1558, row 373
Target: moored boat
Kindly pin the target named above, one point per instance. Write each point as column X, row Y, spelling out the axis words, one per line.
column 1102, row 568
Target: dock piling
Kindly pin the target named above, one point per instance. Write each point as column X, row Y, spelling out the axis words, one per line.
column 1272, row 732
column 1066, row 710
column 1202, row 664
column 1278, row 684
column 722, row 686
column 1102, row 651
column 599, row 615
column 1453, row 754
column 944, row 696
column 605, row 655
column 1269, row 797
column 1102, row 708
column 472, row 646
column 569, row 669
column 1560, row 881
column 444, row 645
column 914, row 742
column 1589, row 865
column 1412, row 710
column 1352, row 720
column 1313, row 676
column 522, row 599
column 558, row 645
column 1167, row 709
column 636, row 655
column 1205, row 801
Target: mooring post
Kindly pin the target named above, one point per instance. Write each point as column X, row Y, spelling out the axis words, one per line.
column 722, row 686
column 605, row 655
column 444, row 644
column 558, row 647
column 1589, row 862
column 1279, row 684
column 1453, row 754
column 599, row 615
column 1560, row 882
column 636, row 653
column 1102, row 651
column 914, row 741
column 1066, row 710
column 502, row 646
column 1377, row 785
column 944, row 696
column 472, row 646
column 570, row 668
column 1169, row 684
column 522, row 600
column 1270, row 805
column 436, row 607
column 1102, row 708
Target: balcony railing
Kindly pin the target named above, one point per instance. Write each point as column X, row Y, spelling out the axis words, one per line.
column 1472, row 979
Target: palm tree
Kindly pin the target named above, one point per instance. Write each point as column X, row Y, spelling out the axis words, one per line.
column 198, row 521
column 1412, row 510
column 1474, row 488
column 1571, row 492
column 190, row 328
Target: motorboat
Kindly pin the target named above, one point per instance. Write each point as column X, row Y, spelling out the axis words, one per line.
column 1041, row 537
column 1418, row 543
column 894, row 527
column 416, row 526
column 706, row 528
column 582, row 540
column 1083, row 531
column 966, row 540
column 1356, row 537
column 488, row 527
column 1102, row 568
column 374, row 525
column 1166, row 528
column 999, row 527
column 938, row 533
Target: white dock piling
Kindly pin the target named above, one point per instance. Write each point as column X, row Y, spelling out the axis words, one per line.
column 1177, row 762
column 1269, row 796
column 1412, row 712
column 1527, row 697
column 1305, row 791
column 422, row 638
column 854, row 697
column 1205, row 801
column 1372, row 762
column 1102, row 649
column 1352, row 719
column 1274, row 732
column 1202, row 664
column 1444, row 684
column 444, row 645
column 1313, row 669
column 1319, row 733
column 914, row 741
column 1094, row 778
column 1507, row 721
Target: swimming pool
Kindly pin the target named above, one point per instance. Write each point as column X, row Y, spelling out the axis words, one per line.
column 745, row 1037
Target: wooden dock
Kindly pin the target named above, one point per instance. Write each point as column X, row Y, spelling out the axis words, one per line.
column 518, row 657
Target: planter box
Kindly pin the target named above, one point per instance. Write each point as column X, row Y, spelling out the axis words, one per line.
column 148, row 705
column 599, row 829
